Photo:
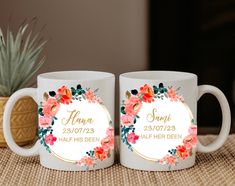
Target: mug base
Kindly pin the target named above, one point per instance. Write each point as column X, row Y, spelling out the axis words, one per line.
column 75, row 168
column 158, row 169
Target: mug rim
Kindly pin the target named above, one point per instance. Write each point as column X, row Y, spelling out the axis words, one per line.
column 75, row 75
column 160, row 75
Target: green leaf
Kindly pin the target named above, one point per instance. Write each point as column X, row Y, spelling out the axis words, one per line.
column 3, row 90
column 134, row 120
column 52, row 93
column 123, row 110
column 109, row 154
column 134, row 92
column 79, row 86
column 73, row 91
column 40, row 112
column 80, row 91
column 155, row 89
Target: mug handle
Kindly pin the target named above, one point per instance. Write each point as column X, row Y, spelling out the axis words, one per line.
column 33, row 151
column 226, row 118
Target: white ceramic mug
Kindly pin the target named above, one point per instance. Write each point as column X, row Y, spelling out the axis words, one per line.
column 158, row 120
column 76, row 110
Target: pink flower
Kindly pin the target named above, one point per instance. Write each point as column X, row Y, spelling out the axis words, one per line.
column 148, row 93
column 88, row 161
column 131, row 138
column 50, row 139
column 193, row 130
column 90, row 96
column 180, row 98
column 82, row 161
column 171, row 93
column 171, row 160
column 127, row 120
column 44, row 122
column 190, row 141
column 132, row 105
column 110, row 132
column 162, row 161
column 50, row 107
column 168, row 159
column 99, row 100
column 107, row 143
column 182, row 152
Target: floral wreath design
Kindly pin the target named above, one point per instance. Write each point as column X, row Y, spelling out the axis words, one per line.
column 129, row 116
column 48, row 109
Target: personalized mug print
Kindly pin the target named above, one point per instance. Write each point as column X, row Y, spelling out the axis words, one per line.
column 75, row 126
column 156, row 117
column 75, row 111
column 158, row 128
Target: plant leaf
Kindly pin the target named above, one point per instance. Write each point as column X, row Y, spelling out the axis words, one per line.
column 19, row 59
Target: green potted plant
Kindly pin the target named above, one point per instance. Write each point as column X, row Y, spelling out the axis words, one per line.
column 19, row 61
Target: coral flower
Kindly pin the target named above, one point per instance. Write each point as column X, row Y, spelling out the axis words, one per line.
column 107, row 143
column 182, row 152
column 50, row 107
column 190, row 141
column 44, row 122
column 100, row 153
column 127, row 120
column 171, row 160
column 148, row 93
column 90, row 96
column 89, row 161
column 50, row 139
column 171, row 93
column 65, row 95
column 132, row 138
column 132, row 105
column 86, row 161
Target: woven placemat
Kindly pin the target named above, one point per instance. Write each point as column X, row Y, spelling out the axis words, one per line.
column 216, row 168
